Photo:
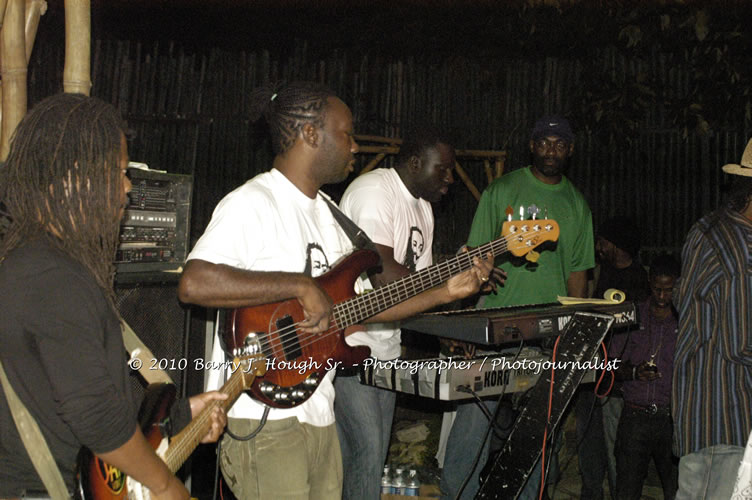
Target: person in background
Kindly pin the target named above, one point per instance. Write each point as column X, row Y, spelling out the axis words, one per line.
column 561, row 270
column 393, row 206
column 712, row 384
column 617, row 249
column 645, row 427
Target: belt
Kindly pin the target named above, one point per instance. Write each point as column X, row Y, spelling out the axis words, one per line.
column 651, row 409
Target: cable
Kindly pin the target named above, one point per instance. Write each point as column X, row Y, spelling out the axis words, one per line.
column 548, row 420
column 596, row 401
column 254, row 432
column 491, row 425
column 216, row 470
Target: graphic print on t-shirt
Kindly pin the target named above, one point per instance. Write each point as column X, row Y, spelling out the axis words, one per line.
column 316, row 261
column 415, row 248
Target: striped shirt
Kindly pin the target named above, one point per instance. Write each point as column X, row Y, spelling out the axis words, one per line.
column 712, row 386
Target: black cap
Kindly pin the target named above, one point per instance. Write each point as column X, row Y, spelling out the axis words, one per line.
column 622, row 232
column 553, row 125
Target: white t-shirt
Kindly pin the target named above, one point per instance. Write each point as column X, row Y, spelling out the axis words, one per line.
column 380, row 203
column 268, row 224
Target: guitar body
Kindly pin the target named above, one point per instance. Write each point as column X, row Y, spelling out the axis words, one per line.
column 98, row 480
column 297, row 361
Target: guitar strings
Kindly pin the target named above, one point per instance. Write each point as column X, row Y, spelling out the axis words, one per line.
column 177, row 453
column 288, row 334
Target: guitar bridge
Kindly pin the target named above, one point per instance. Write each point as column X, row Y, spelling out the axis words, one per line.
column 251, row 346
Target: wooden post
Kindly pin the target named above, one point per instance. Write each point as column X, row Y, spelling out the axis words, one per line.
column 372, row 164
column 467, row 180
column 13, row 69
column 487, row 167
column 3, row 4
column 77, row 69
column 34, row 10
column 499, row 166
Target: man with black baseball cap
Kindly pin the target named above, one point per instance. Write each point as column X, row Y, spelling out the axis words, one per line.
column 540, row 190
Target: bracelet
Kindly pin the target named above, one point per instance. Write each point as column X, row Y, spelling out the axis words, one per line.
column 634, row 372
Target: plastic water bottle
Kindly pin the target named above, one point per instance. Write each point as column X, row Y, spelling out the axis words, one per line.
column 386, row 482
column 398, row 481
column 412, row 487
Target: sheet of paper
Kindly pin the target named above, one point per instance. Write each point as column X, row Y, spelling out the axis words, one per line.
column 610, row 296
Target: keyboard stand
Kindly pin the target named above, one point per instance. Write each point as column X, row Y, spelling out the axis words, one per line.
column 514, row 463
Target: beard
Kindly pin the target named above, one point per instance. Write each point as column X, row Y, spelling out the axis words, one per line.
column 553, row 169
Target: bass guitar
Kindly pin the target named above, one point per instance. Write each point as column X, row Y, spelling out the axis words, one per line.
column 98, row 480
column 297, row 361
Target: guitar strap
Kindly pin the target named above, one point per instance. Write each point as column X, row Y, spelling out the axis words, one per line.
column 32, row 438
column 35, row 444
column 357, row 236
column 138, row 350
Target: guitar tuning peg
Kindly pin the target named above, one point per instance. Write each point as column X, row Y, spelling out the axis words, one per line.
column 532, row 256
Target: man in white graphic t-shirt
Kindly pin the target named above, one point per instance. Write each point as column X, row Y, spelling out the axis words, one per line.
column 393, row 206
column 261, row 239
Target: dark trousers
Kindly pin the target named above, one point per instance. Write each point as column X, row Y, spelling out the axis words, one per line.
column 591, row 450
column 640, row 437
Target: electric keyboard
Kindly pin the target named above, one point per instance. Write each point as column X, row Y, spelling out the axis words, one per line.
column 450, row 379
column 512, row 324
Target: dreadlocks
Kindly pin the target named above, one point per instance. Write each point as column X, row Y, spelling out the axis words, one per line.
column 62, row 177
column 288, row 108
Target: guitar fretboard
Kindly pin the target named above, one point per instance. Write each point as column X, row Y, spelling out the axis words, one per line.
column 184, row 442
column 357, row 309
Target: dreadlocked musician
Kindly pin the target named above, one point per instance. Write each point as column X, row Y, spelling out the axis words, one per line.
column 262, row 238
column 65, row 187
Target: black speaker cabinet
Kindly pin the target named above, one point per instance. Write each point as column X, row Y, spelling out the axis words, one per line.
column 155, row 314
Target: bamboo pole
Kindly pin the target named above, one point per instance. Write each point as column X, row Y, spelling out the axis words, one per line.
column 372, row 164
column 34, row 10
column 466, row 179
column 77, row 69
column 3, row 4
column 487, row 168
column 13, row 70
column 499, row 167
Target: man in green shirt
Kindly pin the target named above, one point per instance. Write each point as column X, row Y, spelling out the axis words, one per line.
column 543, row 190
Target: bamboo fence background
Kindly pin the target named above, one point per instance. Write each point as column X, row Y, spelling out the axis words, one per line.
column 189, row 111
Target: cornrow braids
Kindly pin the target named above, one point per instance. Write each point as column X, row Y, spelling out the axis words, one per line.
column 62, row 177
column 289, row 107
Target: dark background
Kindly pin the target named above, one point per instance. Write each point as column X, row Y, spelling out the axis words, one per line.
column 658, row 92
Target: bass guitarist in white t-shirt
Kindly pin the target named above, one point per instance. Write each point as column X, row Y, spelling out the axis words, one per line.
column 262, row 238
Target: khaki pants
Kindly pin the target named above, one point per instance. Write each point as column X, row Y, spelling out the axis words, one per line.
column 286, row 460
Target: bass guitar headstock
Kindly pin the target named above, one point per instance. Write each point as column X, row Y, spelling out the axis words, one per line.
column 523, row 236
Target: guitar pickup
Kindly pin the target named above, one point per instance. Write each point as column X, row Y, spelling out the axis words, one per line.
column 287, row 331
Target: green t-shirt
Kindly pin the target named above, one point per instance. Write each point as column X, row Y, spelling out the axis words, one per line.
column 539, row 283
